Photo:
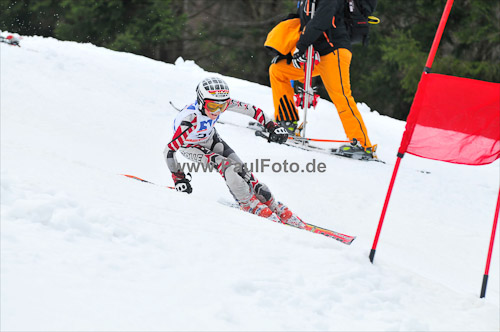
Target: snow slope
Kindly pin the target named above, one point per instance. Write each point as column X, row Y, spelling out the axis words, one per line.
column 83, row 248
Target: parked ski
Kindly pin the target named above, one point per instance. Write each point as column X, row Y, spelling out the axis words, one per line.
column 305, row 145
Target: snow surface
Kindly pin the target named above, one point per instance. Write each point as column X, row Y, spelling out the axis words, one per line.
column 83, row 248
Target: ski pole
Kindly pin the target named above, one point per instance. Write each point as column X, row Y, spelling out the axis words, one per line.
column 308, row 76
column 146, row 181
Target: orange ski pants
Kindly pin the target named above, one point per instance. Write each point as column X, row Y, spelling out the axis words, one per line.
column 333, row 69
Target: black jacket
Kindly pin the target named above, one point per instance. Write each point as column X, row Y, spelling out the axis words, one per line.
column 319, row 30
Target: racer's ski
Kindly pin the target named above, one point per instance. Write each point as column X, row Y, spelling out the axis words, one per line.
column 346, row 239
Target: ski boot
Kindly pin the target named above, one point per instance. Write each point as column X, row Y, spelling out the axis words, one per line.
column 285, row 215
column 254, row 206
column 354, row 150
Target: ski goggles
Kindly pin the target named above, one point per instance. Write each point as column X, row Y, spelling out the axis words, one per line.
column 216, row 107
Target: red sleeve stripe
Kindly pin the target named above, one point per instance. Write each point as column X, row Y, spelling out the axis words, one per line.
column 180, row 137
column 176, row 143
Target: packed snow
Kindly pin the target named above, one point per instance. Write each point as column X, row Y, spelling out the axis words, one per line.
column 84, row 248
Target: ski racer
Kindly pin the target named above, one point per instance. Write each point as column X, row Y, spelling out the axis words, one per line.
column 196, row 139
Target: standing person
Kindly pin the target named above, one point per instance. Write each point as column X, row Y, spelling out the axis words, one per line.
column 196, row 139
column 327, row 32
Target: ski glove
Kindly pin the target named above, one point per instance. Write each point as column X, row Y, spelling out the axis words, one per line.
column 277, row 134
column 182, row 182
column 298, row 58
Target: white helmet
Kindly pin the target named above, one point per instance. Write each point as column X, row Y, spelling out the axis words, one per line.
column 212, row 88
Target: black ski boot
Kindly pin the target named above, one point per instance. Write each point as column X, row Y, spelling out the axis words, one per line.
column 356, row 151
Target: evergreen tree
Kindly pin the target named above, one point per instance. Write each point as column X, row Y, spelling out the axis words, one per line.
column 227, row 36
column 139, row 26
column 30, row 17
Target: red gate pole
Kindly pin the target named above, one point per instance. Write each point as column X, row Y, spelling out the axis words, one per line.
column 384, row 209
column 409, row 126
column 490, row 250
column 439, row 34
